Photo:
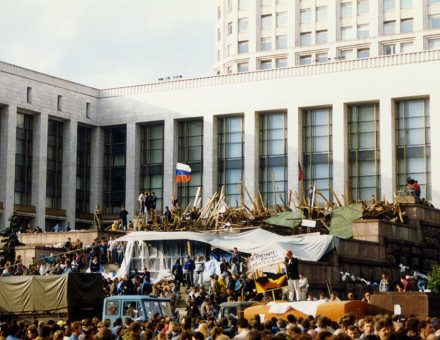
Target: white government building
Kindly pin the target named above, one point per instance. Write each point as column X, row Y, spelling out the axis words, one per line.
column 347, row 89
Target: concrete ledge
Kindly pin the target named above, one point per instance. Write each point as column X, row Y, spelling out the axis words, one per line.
column 85, row 236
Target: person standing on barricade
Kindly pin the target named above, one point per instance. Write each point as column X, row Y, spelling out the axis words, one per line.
column 292, row 276
column 188, row 268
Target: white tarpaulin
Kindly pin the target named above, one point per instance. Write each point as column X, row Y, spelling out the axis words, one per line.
column 257, row 241
column 306, row 307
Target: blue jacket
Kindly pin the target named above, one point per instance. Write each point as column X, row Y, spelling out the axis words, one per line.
column 189, row 265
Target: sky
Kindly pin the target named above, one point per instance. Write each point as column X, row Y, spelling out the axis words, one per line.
column 109, row 43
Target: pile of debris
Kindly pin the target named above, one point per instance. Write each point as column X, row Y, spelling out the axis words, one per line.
column 314, row 213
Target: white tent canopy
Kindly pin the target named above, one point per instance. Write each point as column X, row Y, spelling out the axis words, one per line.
column 308, row 248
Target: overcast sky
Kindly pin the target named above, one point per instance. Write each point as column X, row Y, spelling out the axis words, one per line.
column 109, row 43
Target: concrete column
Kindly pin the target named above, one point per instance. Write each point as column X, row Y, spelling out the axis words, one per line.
column 340, row 158
column 387, row 148
column 132, row 170
column 39, row 168
column 210, row 156
column 250, row 173
column 68, row 196
column 96, row 167
column 333, row 30
column 294, row 148
column 169, row 161
column 7, row 161
column 434, row 109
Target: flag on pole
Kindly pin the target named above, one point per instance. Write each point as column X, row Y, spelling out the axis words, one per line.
column 183, row 173
column 300, row 172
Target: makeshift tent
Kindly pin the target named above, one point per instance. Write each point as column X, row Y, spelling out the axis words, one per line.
column 289, row 219
column 66, row 293
column 342, row 219
column 257, row 241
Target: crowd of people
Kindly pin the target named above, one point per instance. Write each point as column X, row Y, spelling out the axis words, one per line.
column 207, row 327
column 75, row 258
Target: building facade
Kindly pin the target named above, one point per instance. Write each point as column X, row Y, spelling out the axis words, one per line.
column 266, row 34
column 371, row 122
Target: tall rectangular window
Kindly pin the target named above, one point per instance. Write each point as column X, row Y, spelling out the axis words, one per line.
column 266, row 21
column 54, row 164
column 434, row 44
column 88, row 107
column 243, row 67
column 321, row 37
column 317, row 155
column 363, row 53
column 434, row 21
column 230, row 156
column 281, row 19
column 23, row 159
column 83, row 153
column 305, row 60
column 413, row 144
column 281, row 63
column 406, row 25
column 191, row 152
column 389, row 27
column 243, row 46
column 346, row 9
column 273, row 158
column 306, row 39
column 60, row 103
column 152, row 168
column 114, row 169
column 389, row 5
column 305, row 16
column 281, row 41
column 406, row 3
column 29, row 95
column 266, row 2
column 362, row 7
column 266, row 44
column 321, row 13
column 243, row 24
column 321, row 58
column 389, row 49
column 266, row 64
column 363, row 31
column 364, row 151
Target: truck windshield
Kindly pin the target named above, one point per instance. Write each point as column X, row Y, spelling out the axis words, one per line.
column 151, row 308
column 166, row 308
column 230, row 311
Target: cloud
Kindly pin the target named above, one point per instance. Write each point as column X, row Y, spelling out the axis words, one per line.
column 109, row 43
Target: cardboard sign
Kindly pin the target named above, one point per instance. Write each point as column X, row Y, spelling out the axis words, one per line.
column 266, row 259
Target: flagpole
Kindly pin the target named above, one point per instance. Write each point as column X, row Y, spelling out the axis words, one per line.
column 174, row 189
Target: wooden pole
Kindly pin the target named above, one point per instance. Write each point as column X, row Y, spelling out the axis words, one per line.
column 334, row 195
column 274, row 192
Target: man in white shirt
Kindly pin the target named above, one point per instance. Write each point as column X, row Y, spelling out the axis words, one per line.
column 141, row 203
column 198, row 276
column 303, row 285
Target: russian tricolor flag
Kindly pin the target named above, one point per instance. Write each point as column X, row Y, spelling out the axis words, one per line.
column 183, row 173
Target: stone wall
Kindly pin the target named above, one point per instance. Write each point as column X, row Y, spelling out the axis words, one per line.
column 42, row 243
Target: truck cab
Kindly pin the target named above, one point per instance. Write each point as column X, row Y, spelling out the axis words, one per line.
column 137, row 307
column 233, row 309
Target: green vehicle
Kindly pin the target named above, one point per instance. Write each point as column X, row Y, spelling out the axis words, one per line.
column 137, row 307
column 234, row 309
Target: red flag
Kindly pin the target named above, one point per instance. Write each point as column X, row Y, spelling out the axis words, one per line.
column 300, row 172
